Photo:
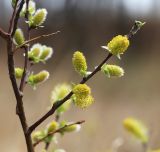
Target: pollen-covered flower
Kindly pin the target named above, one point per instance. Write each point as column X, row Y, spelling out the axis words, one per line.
column 31, row 8
column 18, row 72
column 39, row 17
column 35, row 53
column 46, row 53
column 81, row 90
column 83, row 102
column 19, row 37
column 79, row 63
column 38, row 78
column 137, row 129
column 118, row 45
column 82, row 97
column 112, row 70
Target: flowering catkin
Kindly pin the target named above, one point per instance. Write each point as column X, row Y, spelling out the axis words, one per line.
column 79, row 62
column 82, row 96
column 136, row 128
column 118, row 45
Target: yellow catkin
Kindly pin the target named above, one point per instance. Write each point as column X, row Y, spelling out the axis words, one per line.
column 82, row 96
column 118, row 45
column 79, row 62
column 136, row 128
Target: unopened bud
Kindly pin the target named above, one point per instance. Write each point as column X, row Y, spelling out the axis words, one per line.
column 18, row 73
column 19, row 37
column 38, row 135
column 112, row 70
column 38, row 78
column 46, row 53
column 39, row 17
column 72, row 128
column 52, row 126
column 35, row 53
column 31, row 8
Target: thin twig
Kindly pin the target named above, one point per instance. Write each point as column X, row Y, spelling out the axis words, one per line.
column 58, row 131
column 23, row 79
column 47, row 146
column 16, row 18
column 34, row 39
column 59, row 103
column 13, row 17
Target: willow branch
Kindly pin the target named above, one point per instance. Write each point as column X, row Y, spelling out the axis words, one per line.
column 16, row 18
column 59, row 103
column 13, row 17
column 34, row 39
column 25, row 68
column 11, row 67
column 136, row 27
column 58, row 131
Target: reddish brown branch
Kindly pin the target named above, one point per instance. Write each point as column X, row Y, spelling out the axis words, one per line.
column 13, row 17
column 20, row 108
column 34, row 39
column 11, row 67
column 58, row 131
column 16, row 18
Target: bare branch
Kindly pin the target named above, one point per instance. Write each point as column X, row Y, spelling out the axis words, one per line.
column 58, row 131
column 35, row 38
column 13, row 17
column 16, row 18
column 19, row 109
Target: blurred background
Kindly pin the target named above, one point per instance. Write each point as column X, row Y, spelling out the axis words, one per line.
column 86, row 25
